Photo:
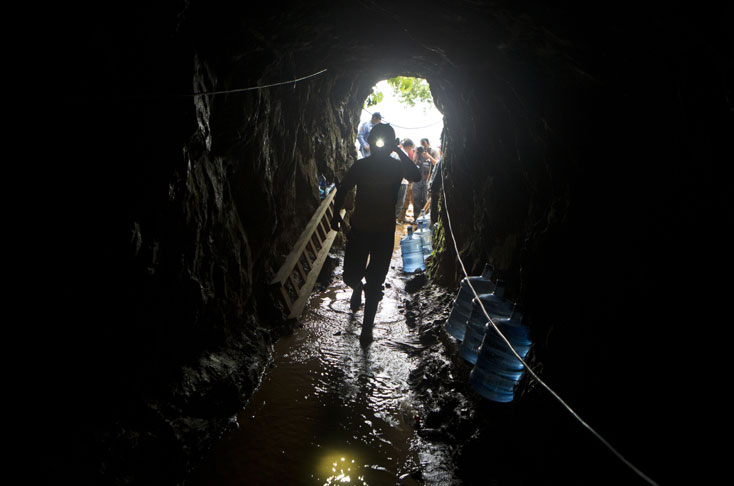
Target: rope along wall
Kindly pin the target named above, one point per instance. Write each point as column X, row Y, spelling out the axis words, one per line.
column 239, row 90
column 525, row 365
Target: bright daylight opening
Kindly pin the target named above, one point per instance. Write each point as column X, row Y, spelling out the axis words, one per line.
column 405, row 103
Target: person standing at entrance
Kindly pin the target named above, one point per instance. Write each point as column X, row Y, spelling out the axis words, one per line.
column 364, row 133
column 420, row 188
column 426, row 158
column 372, row 236
column 408, row 147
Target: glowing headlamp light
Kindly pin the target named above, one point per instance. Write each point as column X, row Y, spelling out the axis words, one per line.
column 380, row 142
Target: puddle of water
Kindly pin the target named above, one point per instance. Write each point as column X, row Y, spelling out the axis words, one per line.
column 331, row 411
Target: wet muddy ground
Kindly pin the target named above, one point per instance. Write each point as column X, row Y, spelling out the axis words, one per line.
column 331, row 411
column 397, row 412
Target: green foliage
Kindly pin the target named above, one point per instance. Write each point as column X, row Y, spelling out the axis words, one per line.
column 411, row 90
column 374, row 98
column 408, row 90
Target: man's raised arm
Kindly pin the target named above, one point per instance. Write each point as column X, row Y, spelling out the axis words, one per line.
column 410, row 170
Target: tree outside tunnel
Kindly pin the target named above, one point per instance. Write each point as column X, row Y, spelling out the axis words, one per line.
column 407, row 104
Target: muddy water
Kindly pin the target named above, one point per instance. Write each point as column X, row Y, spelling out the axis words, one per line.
column 331, row 411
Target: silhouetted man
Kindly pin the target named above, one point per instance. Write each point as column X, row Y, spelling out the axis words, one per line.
column 372, row 235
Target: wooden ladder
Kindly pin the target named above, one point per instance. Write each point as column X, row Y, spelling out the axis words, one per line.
column 298, row 274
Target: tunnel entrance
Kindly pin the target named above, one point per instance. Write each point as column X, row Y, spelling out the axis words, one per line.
column 406, row 103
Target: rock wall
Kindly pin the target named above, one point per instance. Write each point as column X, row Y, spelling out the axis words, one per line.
column 592, row 178
column 584, row 157
column 588, row 169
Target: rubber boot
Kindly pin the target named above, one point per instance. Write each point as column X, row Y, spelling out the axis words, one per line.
column 368, row 322
column 356, row 300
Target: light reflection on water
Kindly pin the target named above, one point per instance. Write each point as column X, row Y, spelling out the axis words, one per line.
column 329, row 411
column 341, row 468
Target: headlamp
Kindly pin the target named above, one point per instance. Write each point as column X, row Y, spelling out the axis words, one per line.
column 380, row 142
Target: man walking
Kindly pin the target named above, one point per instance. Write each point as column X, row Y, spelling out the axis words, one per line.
column 372, row 235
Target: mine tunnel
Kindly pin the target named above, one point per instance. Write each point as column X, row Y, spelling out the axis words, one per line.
column 587, row 155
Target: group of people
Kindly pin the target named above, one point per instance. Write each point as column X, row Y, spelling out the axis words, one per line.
column 385, row 187
column 428, row 161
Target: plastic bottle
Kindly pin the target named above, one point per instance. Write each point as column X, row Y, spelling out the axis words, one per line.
column 497, row 370
column 322, row 186
column 456, row 323
column 498, row 309
column 412, row 251
column 425, row 235
column 423, row 222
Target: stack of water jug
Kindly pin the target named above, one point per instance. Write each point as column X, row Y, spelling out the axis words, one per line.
column 496, row 369
column 416, row 247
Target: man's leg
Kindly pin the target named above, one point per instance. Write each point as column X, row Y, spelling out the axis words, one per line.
column 424, row 193
column 418, row 199
column 408, row 200
column 401, row 201
column 380, row 255
column 355, row 262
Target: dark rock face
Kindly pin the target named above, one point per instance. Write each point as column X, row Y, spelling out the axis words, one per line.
column 585, row 158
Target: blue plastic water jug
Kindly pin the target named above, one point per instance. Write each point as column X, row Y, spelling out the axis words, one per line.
column 423, row 222
column 425, row 235
column 456, row 323
column 411, row 248
column 497, row 370
column 497, row 307
column 322, row 186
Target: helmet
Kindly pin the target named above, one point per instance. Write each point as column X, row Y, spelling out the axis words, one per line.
column 380, row 136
